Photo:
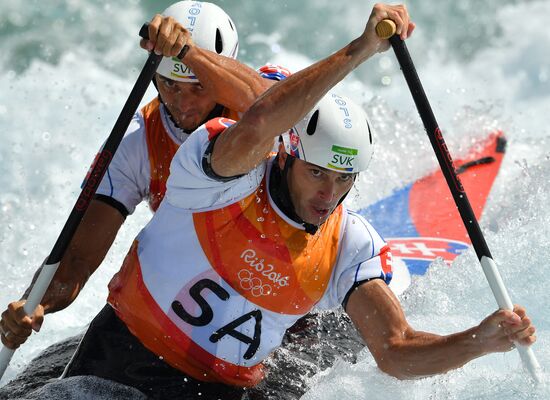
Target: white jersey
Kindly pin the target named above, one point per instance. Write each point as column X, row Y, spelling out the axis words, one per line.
column 218, row 275
column 128, row 177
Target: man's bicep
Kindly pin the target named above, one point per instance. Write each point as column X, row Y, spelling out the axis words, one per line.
column 249, row 142
column 93, row 239
column 377, row 315
column 239, row 150
column 192, row 186
column 98, row 229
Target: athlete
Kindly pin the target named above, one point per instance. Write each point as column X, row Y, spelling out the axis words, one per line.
column 206, row 82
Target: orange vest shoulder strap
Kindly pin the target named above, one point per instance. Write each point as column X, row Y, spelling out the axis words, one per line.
column 161, row 149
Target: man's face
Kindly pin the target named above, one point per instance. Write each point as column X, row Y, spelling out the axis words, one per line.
column 315, row 191
column 188, row 103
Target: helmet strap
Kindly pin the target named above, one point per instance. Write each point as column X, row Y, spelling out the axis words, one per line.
column 280, row 193
column 346, row 194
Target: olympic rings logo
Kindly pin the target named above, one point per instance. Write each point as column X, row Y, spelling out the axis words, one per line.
column 253, row 284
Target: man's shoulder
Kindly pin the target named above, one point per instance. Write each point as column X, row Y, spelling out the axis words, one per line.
column 198, row 141
column 216, row 126
column 136, row 128
column 150, row 108
column 187, row 169
column 134, row 138
column 356, row 222
column 359, row 233
column 190, row 187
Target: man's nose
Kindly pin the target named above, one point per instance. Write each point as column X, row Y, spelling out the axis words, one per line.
column 327, row 191
column 187, row 101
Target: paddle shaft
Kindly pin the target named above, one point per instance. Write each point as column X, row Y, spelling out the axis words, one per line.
column 461, row 199
column 86, row 195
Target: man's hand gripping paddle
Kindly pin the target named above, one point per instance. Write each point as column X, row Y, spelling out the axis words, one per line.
column 386, row 30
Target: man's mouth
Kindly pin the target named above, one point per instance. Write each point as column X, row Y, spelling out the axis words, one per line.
column 188, row 113
column 320, row 211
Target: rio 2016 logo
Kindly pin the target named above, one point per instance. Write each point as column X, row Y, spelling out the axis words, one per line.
column 264, row 269
column 253, row 284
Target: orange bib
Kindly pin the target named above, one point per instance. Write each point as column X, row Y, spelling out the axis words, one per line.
column 161, row 149
column 244, row 275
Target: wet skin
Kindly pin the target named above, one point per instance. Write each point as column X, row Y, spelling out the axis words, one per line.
column 188, row 103
column 315, row 191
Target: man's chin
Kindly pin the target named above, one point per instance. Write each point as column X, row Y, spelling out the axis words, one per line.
column 189, row 125
column 189, row 121
column 314, row 216
column 317, row 220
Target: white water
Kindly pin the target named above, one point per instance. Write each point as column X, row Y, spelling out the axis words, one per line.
column 57, row 107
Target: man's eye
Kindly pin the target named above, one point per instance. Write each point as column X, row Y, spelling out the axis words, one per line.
column 316, row 172
column 169, row 83
column 346, row 178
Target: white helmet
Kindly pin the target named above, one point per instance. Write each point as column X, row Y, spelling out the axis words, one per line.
column 335, row 135
column 211, row 29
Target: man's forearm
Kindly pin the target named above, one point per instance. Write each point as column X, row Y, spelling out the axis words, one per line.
column 88, row 247
column 398, row 349
column 422, row 354
column 287, row 102
column 63, row 289
column 282, row 105
column 232, row 83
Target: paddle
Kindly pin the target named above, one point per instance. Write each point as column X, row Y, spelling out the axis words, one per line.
column 49, row 267
column 386, row 30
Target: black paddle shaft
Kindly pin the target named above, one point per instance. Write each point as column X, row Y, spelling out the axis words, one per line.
column 104, row 158
column 440, row 148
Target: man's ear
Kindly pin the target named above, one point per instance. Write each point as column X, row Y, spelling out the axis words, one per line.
column 281, row 159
